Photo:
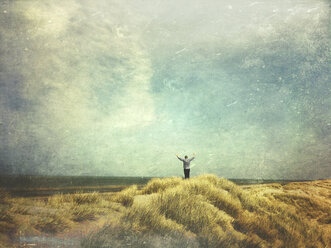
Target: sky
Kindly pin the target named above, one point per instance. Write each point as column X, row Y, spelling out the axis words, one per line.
column 117, row 88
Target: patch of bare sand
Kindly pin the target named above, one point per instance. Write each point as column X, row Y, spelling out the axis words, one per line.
column 68, row 238
column 143, row 198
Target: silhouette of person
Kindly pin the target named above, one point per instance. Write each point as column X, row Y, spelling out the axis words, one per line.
column 186, row 164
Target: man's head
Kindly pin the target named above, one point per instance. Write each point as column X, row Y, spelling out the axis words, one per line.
column 186, row 156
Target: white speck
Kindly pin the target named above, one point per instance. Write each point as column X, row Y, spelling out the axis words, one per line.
column 179, row 51
column 218, row 54
column 310, row 10
column 257, row 89
column 231, row 103
column 25, row 49
column 5, row 11
column 255, row 3
column 230, row 7
column 49, row 21
column 118, row 32
column 280, row 78
column 275, row 10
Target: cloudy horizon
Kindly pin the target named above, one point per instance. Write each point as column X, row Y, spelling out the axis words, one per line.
column 119, row 87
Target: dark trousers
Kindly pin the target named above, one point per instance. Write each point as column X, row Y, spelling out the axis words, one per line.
column 187, row 173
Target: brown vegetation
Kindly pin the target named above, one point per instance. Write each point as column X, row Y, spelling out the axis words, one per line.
column 217, row 213
column 205, row 211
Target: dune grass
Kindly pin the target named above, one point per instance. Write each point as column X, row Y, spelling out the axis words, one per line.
column 217, row 213
column 50, row 215
column 126, row 196
column 204, row 211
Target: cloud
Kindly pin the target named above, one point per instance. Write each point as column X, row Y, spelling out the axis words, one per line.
column 83, row 85
column 108, row 87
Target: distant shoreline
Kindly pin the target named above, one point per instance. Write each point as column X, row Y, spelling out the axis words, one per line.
column 33, row 186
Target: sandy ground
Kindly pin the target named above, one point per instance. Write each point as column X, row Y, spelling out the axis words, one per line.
column 67, row 239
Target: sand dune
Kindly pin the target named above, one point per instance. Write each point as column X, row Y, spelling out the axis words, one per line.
column 205, row 211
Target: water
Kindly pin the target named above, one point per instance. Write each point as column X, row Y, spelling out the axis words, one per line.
column 23, row 185
column 19, row 181
column 19, row 185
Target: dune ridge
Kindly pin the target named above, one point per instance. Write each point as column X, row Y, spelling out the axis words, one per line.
column 208, row 211
column 204, row 211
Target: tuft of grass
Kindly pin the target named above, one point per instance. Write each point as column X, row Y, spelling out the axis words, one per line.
column 78, row 198
column 85, row 198
column 126, row 196
column 215, row 193
column 82, row 212
column 156, row 185
column 141, row 217
column 58, row 200
column 52, row 223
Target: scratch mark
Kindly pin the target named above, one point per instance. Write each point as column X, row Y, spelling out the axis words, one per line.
column 180, row 51
column 233, row 103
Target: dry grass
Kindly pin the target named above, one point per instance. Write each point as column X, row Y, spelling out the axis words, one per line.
column 54, row 214
column 124, row 237
column 52, row 223
column 126, row 196
column 205, row 211
column 156, row 185
column 78, row 198
column 217, row 213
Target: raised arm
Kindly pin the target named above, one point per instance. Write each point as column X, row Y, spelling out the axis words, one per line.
column 194, row 154
column 179, row 158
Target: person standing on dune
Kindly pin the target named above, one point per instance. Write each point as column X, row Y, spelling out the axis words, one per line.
column 186, row 164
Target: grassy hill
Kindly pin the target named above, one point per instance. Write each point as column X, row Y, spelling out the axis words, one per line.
column 208, row 211
column 205, row 211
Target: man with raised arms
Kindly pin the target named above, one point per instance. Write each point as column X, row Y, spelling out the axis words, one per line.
column 186, row 164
